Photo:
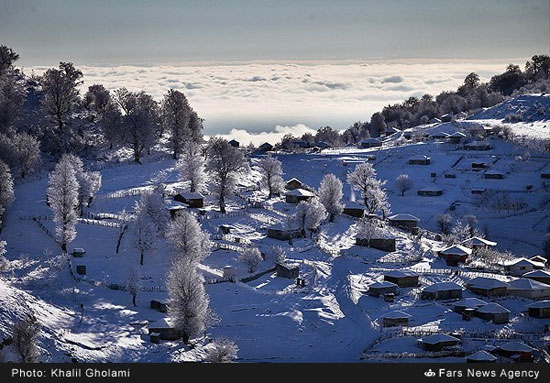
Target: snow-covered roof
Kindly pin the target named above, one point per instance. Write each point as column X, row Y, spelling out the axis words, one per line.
column 353, row 205
column 482, row 355
column 439, row 338
column 456, row 250
column 400, row 274
column 538, row 258
column 540, row 305
column 476, row 144
column 478, row 241
column 78, row 250
column 370, row 141
column 472, row 303
column 524, row 262
column 537, row 274
column 431, row 189
column 419, row 157
column 397, row 314
column 486, row 283
column 516, row 346
column 457, row 134
column 161, row 323
column 440, row 134
column 300, row 193
column 493, row 308
column 294, row 180
column 403, row 217
column 173, row 205
column 527, row 284
column 382, row 285
column 443, row 286
column 190, row 195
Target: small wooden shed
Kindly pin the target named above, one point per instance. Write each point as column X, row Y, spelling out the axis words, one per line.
column 384, row 244
column 442, row 290
column 481, row 356
column 298, row 195
column 455, row 254
column 478, row 242
column 191, row 199
column 284, row 233
column 402, row 278
column 538, row 275
column 438, row 342
column 78, row 252
column 370, row 143
column 493, row 175
column 457, row 137
column 395, row 318
column 380, row 288
column 265, row 147
column 489, row 287
column 529, row 288
column 403, row 220
column 354, row 209
column 419, row 160
column 430, row 191
column 539, row 309
column 522, row 266
column 286, row 270
column 234, row 143
column 524, row 352
column 294, row 183
column 468, row 303
column 494, row 312
column 165, row 330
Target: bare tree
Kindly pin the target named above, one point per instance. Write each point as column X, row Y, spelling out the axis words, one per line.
column 251, row 257
column 222, row 350
column 25, row 339
column 224, row 163
column 145, row 234
column 133, row 283
column 176, row 116
column 330, row 195
column 191, row 166
column 272, row 172
column 188, row 306
column 63, row 199
column 444, row 221
column 403, row 183
column 60, row 93
column 188, row 241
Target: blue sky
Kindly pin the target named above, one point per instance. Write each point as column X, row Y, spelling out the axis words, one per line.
column 139, row 32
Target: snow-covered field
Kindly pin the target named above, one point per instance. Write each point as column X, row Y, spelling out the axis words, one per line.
column 271, row 319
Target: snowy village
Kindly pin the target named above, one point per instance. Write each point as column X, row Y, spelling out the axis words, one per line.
column 130, row 234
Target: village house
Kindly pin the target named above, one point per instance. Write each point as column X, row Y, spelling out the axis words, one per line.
column 164, row 329
column 286, row 270
column 479, row 165
column 455, row 254
column 538, row 275
column 479, row 191
column 384, row 244
column 229, row 272
column 191, row 199
column 353, row 209
column 438, row 342
column 468, row 303
column 539, row 309
column 370, row 143
column 298, row 195
column 294, row 183
column 521, row 266
column 476, row 243
column 539, row 259
column 402, row 278
column 481, row 356
column 284, row 233
column 321, row 145
column 395, row 318
column 494, row 312
column 489, row 287
column 403, row 220
column 419, row 160
column 477, row 145
column 430, row 191
column 440, row 136
column 381, row 288
column 447, row 117
column 456, row 137
column 78, row 252
column 175, row 208
column 434, row 120
column 265, row 147
column 234, row 143
column 516, row 350
column 442, row 290
column 529, row 288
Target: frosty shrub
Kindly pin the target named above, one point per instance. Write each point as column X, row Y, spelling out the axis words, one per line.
column 222, row 350
column 363, row 179
column 251, row 257
column 144, row 235
column 330, row 195
column 25, row 339
column 444, row 221
column 4, row 263
column 272, row 172
column 191, row 166
column 187, row 239
column 309, row 215
column 133, row 283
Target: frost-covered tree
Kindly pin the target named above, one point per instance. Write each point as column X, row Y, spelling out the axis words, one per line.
column 460, row 232
column 25, row 339
column 251, row 257
column 309, row 215
column 403, row 183
column 187, row 239
column 12, row 98
column 60, row 94
column 363, row 179
column 195, row 126
column 97, row 100
column 367, row 229
column 20, row 151
column 6, row 190
column 225, row 162
column 472, row 222
column 7, row 58
column 272, row 172
column 4, row 263
column 191, row 166
column 377, row 125
column 222, row 350
column 176, row 115
column 133, row 283
column 444, row 221
column 89, row 182
column 188, row 304
column 144, row 234
column 63, row 199
column 140, row 118
column 151, row 204
column 110, row 124
column 330, row 195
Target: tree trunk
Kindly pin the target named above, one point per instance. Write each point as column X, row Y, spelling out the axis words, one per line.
column 185, row 338
column 64, row 248
column 134, row 300
column 141, row 258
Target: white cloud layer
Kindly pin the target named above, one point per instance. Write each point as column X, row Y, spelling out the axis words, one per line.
column 242, row 101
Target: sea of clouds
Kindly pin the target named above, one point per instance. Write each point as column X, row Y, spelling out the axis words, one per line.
column 259, row 102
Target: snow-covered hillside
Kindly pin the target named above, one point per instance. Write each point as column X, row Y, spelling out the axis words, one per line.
column 271, row 319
